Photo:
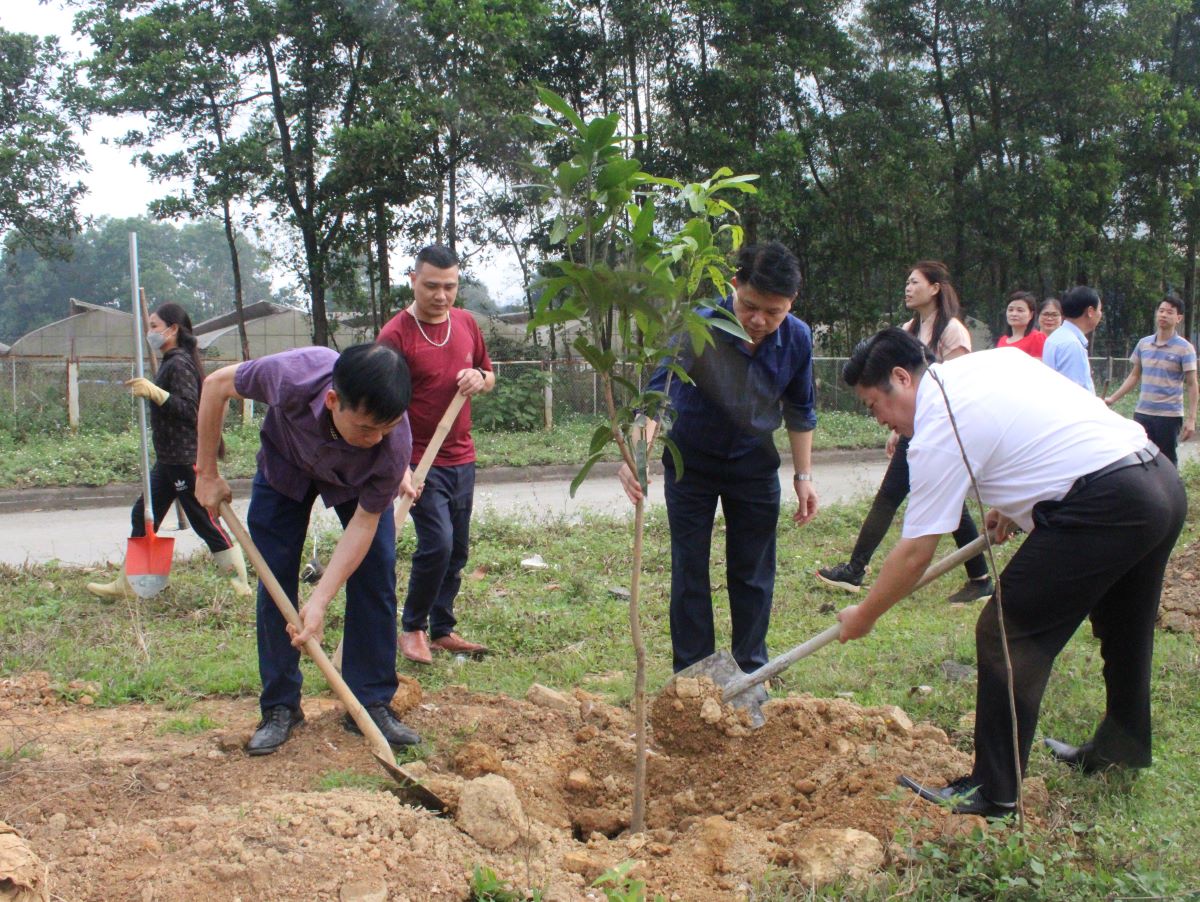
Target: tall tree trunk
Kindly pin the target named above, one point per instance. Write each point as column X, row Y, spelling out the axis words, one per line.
column 238, row 301
column 382, row 258
column 452, row 192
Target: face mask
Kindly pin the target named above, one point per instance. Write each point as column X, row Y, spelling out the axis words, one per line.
column 155, row 340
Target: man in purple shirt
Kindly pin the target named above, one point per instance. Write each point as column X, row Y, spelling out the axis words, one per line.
column 336, row 428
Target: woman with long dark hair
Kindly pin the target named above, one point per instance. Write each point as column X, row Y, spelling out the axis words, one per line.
column 175, row 395
column 931, row 297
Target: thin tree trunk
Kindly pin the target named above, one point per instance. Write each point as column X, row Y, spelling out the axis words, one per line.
column 637, row 822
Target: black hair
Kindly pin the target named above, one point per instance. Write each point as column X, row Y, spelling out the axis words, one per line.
column 873, row 359
column 1030, row 302
column 1174, row 302
column 373, row 379
column 438, row 256
column 173, row 315
column 770, row 268
column 937, row 273
column 1076, row 301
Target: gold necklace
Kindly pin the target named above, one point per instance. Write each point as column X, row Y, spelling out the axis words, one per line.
column 436, row 344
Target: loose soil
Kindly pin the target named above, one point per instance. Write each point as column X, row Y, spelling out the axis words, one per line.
column 1179, row 610
column 120, row 806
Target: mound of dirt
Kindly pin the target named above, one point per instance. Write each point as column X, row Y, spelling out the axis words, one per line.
column 123, row 804
column 1180, row 608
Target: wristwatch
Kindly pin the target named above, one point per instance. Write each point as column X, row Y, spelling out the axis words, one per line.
column 802, row 477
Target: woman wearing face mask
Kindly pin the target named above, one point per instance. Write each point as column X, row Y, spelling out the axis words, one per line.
column 1022, row 333
column 174, row 395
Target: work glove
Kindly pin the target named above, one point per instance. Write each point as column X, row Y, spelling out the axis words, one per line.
column 144, row 388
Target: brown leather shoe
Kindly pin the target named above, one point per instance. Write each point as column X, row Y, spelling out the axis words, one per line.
column 415, row 647
column 456, row 644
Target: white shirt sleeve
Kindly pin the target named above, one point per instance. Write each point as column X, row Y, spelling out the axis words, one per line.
column 938, row 483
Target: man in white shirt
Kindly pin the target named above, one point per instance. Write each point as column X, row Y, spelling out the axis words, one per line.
column 1100, row 496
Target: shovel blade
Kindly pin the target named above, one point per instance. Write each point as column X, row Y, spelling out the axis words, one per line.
column 148, row 564
column 722, row 669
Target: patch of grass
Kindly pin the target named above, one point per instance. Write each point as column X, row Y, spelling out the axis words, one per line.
column 188, row 726
column 99, row 458
column 348, row 779
column 26, row 752
column 568, row 442
column 563, row 627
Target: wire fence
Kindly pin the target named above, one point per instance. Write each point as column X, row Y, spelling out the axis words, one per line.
column 43, row 394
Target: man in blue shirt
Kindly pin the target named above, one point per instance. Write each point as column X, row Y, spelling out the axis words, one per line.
column 723, row 426
column 1066, row 349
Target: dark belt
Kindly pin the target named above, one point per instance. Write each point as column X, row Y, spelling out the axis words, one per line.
column 1143, row 457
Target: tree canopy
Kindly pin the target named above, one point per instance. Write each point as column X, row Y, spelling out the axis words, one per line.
column 1031, row 146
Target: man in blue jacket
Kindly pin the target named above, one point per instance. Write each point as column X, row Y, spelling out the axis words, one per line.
column 724, row 422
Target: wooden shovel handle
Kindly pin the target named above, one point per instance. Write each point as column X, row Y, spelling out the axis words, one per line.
column 431, row 451
column 830, row 633
column 312, row 647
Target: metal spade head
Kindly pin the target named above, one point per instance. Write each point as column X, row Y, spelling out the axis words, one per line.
column 148, row 563
column 723, row 670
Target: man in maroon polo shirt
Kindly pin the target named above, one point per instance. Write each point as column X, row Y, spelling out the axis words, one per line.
column 446, row 356
column 336, row 427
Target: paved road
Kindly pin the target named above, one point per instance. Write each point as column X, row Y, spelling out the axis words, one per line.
column 92, row 535
column 82, row 536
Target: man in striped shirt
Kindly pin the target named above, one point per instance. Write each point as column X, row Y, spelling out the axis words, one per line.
column 1164, row 363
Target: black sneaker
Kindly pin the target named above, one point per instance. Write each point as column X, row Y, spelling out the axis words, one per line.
column 274, row 729
column 389, row 725
column 973, row 590
column 842, row 576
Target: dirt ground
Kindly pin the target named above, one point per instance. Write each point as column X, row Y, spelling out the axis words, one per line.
column 1180, row 607
column 118, row 807
column 114, row 804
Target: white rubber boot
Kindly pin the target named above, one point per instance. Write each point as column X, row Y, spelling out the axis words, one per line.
column 231, row 561
column 118, row 588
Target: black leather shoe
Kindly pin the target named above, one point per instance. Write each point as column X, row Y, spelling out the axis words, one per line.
column 1081, row 757
column 389, row 725
column 274, row 729
column 960, row 796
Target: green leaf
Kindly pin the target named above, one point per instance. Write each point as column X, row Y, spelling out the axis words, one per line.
column 617, row 173
column 600, row 439
column 561, row 107
column 676, row 457
column 582, row 474
column 733, row 328
column 643, row 226
column 600, row 131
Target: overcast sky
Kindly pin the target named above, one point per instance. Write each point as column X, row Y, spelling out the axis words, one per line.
column 118, row 188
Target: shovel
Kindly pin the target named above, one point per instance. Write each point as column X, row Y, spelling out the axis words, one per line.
column 148, row 557
column 419, row 474
column 742, row 690
column 379, row 745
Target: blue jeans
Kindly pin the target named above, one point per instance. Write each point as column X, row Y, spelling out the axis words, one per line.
column 278, row 526
column 748, row 489
column 442, row 518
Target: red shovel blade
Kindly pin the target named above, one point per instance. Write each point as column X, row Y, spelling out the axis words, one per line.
column 148, row 563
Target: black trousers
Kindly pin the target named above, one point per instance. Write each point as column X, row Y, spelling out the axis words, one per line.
column 1163, row 431
column 1099, row 553
column 748, row 489
column 169, row 482
column 892, row 492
